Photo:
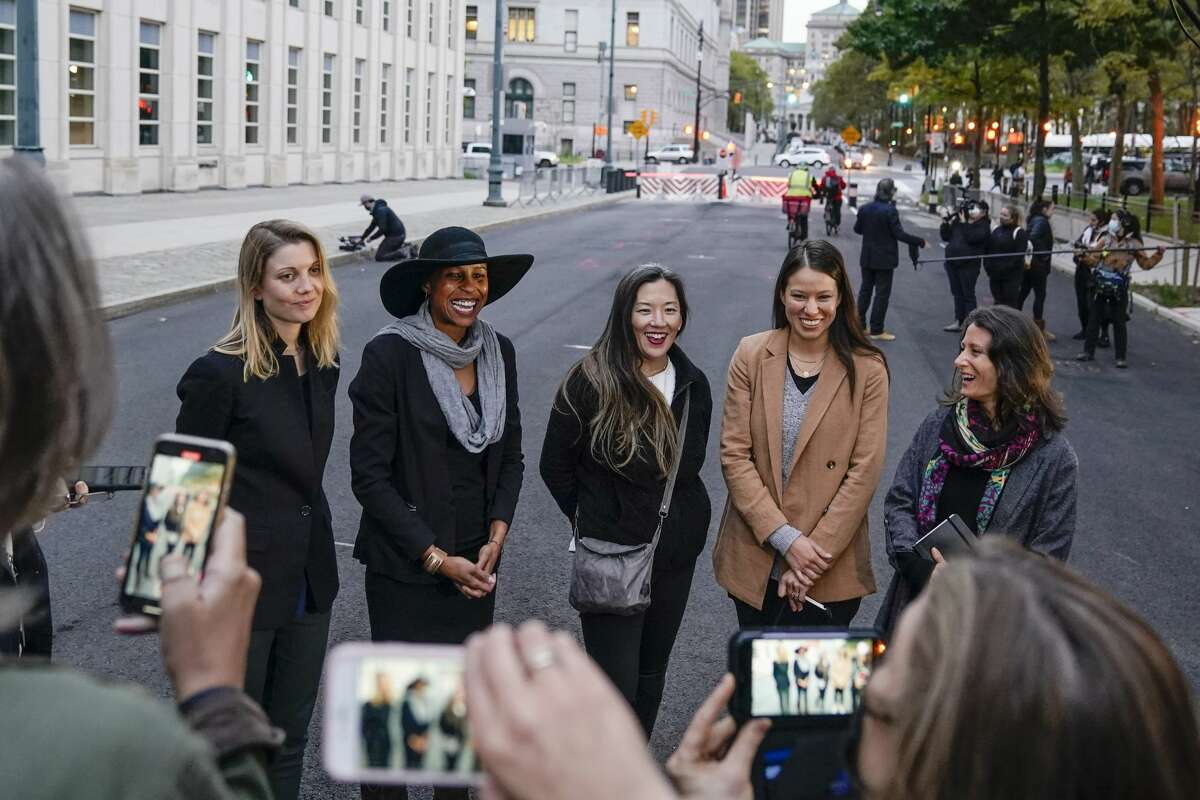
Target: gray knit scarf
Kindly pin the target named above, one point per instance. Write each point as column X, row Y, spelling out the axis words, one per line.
column 441, row 355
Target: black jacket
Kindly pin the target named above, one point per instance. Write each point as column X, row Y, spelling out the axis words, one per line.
column 1009, row 241
column 879, row 224
column 1041, row 236
column 384, row 222
column 27, row 570
column 398, row 460
column 966, row 239
column 280, row 467
column 623, row 508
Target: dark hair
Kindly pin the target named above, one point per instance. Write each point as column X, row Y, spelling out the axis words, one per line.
column 56, row 372
column 846, row 333
column 885, row 189
column 1023, row 368
column 1038, row 207
column 630, row 413
column 982, row 204
column 1129, row 224
column 1101, row 214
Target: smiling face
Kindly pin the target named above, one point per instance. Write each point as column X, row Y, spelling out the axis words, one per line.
column 456, row 295
column 657, row 319
column 292, row 286
column 1006, row 217
column 974, row 365
column 810, row 301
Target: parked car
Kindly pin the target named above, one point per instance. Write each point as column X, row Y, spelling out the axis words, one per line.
column 1135, row 175
column 803, row 156
column 676, row 153
column 856, row 158
column 477, row 149
column 545, row 158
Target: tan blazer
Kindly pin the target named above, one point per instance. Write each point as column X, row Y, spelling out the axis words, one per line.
column 839, row 455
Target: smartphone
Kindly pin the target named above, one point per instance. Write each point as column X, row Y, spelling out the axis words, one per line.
column 187, row 485
column 801, row 678
column 396, row 713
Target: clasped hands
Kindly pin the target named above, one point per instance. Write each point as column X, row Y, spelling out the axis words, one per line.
column 477, row 579
column 806, row 564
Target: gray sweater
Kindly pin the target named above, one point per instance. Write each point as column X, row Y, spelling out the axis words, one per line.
column 1036, row 508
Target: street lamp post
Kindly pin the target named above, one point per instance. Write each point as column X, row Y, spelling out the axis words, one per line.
column 612, row 52
column 600, row 100
column 696, row 123
column 495, row 168
column 29, row 141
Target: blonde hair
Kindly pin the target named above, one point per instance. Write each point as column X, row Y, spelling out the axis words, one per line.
column 252, row 334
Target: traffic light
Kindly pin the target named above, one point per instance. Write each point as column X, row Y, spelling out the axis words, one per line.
column 737, row 98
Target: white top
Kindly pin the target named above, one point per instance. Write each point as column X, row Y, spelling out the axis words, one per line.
column 665, row 382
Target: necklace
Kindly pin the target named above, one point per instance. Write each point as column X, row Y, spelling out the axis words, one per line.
column 807, row 373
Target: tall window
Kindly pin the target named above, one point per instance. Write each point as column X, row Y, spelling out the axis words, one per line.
column 571, row 30
column 387, row 15
column 8, row 73
column 206, row 51
column 568, row 103
column 633, row 31
column 293, row 96
column 81, row 85
column 408, row 101
column 519, row 100
column 149, row 41
column 450, row 84
column 472, row 23
column 469, row 98
column 327, row 99
column 520, row 24
column 408, row 18
column 429, row 108
column 329, row 8
column 450, row 36
column 360, row 12
column 631, row 91
column 360, row 68
column 385, row 84
column 430, row 22
column 253, row 78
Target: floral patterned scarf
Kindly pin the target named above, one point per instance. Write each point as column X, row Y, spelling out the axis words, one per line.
column 962, row 445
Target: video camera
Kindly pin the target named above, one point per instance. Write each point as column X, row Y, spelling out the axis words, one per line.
column 961, row 209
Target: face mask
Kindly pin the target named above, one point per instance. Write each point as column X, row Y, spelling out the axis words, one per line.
column 976, row 212
column 1114, row 226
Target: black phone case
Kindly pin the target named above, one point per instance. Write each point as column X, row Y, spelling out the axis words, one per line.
column 951, row 537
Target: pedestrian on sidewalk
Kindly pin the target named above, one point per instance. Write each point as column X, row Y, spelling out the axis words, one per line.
column 1006, row 263
column 384, row 223
column 879, row 224
column 998, row 177
column 993, row 453
column 1112, row 274
column 1097, row 224
column 803, row 441
column 435, row 459
column 268, row 387
column 966, row 231
column 1037, row 274
column 611, row 442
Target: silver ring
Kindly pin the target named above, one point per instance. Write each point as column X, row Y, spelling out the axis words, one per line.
column 540, row 659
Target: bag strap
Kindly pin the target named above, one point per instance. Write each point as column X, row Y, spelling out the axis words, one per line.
column 669, row 493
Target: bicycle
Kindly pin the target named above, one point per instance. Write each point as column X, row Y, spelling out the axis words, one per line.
column 796, row 209
column 832, row 217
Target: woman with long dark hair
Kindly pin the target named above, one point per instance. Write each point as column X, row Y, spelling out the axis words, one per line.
column 610, row 444
column 802, row 445
column 993, row 453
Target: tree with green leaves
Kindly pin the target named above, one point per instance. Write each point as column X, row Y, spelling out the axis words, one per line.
column 749, row 80
column 854, row 91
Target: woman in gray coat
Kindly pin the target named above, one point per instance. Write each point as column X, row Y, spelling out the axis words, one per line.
column 994, row 454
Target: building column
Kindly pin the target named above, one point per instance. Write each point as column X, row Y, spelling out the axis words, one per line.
column 272, row 125
column 313, row 166
column 116, row 129
column 177, row 109
column 231, row 94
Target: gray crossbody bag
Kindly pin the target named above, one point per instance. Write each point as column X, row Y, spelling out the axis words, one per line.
column 611, row 578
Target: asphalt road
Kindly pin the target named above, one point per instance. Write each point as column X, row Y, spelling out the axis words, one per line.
column 1135, row 432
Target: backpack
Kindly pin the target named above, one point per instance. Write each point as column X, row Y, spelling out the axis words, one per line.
column 831, row 183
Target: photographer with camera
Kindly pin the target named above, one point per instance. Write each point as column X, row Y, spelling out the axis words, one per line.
column 946, row 715
column 966, row 230
column 74, row 736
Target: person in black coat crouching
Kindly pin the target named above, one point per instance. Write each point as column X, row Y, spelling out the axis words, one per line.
column 966, row 233
column 267, row 387
column 436, row 456
column 1008, row 243
column 610, row 443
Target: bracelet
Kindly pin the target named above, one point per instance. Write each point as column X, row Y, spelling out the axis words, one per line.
column 433, row 560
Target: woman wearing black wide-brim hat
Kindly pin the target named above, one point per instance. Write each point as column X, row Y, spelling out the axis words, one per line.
column 436, row 454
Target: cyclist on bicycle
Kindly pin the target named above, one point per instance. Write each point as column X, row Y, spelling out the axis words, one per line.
column 800, row 185
column 831, row 186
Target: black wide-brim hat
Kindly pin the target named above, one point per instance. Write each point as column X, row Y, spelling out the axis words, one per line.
column 402, row 288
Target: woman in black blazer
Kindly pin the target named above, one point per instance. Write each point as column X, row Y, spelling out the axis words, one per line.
column 268, row 387
column 436, row 456
column 632, row 386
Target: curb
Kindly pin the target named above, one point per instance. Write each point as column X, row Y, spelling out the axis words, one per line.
column 1189, row 325
column 125, row 308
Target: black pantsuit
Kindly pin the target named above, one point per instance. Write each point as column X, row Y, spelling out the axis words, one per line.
column 1034, row 281
column 623, row 508
column 282, row 428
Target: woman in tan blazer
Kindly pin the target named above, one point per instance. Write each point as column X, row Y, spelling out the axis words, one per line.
column 802, row 445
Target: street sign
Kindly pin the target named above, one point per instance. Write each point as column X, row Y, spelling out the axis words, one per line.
column 850, row 135
column 638, row 129
column 937, row 142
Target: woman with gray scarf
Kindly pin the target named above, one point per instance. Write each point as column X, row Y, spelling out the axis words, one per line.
column 436, row 456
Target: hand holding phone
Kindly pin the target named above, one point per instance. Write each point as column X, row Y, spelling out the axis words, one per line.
column 706, row 764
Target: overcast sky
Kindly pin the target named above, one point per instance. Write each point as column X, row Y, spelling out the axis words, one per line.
column 797, row 12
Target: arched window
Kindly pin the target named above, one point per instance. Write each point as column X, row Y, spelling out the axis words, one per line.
column 520, row 91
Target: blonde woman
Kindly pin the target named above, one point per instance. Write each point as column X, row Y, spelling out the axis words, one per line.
column 268, row 387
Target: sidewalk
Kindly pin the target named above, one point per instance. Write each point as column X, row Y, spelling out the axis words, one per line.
column 156, row 249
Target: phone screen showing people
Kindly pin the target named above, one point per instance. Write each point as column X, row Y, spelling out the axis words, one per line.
column 184, row 491
column 809, row 677
column 397, row 713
